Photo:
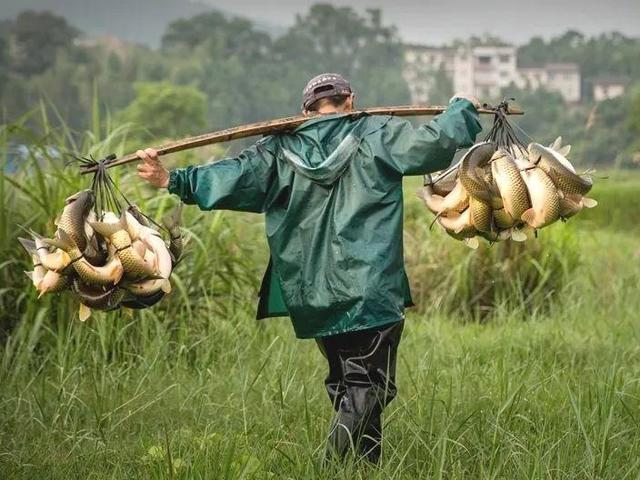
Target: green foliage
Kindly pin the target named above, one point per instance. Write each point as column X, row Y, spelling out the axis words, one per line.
column 37, row 37
column 167, row 110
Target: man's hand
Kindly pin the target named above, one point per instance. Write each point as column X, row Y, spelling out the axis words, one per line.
column 471, row 98
column 151, row 169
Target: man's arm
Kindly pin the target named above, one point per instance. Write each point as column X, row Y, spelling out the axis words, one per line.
column 431, row 147
column 238, row 183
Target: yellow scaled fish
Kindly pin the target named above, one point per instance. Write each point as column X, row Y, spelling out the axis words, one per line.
column 545, row 201
column 115, row 230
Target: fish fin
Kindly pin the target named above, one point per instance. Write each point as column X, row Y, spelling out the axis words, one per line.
column 557, row 143
column 518, row 235
column 528, row 216
column 166, row 286
column 589, row 202
column 472, row 242
column 63, row 241
column 504, row 235
column 28, row 245
column 56, row 220
column 84, row 312
column 564, row 151
column 29, row 274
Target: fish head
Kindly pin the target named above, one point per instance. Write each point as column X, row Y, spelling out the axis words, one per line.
column 85, row 199
column 536, row 151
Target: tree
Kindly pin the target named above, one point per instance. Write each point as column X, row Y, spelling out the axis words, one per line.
column 37, row 37
column 167, row 110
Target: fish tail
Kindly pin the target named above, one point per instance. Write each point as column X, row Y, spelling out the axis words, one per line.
column 63, row 241
column 28, row 245
column 529, row 216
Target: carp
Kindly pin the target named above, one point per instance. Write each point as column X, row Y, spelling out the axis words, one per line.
column 115, row 230
column 545, row 201
column 511, row 187
column 559, row 169
column 96, row 298
column 472, row 174
column 109, row 274
column 74, row 214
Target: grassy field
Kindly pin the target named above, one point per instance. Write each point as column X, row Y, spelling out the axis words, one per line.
column 540, row 384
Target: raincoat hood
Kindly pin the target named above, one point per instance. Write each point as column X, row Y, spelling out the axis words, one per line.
column 319, row 149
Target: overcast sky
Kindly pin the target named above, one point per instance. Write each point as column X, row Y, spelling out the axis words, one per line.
column 429, row 21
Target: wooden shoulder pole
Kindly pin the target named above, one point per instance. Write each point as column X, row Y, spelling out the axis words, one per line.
column 275, row 126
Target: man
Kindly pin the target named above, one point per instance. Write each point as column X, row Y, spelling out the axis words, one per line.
column 332, row 194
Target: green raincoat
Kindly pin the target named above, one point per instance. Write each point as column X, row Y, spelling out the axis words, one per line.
column 332, row 194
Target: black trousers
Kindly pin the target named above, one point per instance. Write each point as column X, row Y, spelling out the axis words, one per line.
column 361, row 382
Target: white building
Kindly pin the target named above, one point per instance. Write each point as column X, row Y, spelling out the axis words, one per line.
column 605, row 88
column 563, row 78
column 484, row 71
column 422, row 65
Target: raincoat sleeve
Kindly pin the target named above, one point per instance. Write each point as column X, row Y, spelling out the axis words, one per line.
column 239, row 183
column 431, row 147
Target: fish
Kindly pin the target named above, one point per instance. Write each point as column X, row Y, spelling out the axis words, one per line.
column 472, row 174
column 458, row 226
column 557, row 167
column 430, row 199
column 139, row 302
column 502, row 218
column 138, row 215
column 72, row 219
column 457, row 200
column 444, row 183
column 571, row 205
column 53, row 282
column 155, row 244
column 545, row 201
column 116, row 231
column 106, row 275
column 172, row 223
column 480, row 215
column 57, row 260
column 511, row 187
column 96, row 298
column 37, row 274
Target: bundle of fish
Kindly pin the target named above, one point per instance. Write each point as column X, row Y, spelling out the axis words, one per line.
column 506, row 191
column 105, row 260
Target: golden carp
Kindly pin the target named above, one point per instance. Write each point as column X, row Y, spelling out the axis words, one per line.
column 109, row 274
column 557, row 167
column 155, row 245
column 430, row 199
column 512, row 189
column 115, row 230
column 96, row 298
column 72, row 219
column 545, row 201
column 53, row 282
column 472, row 174
column 571, row 205
column 480, row 215
column 58, row 260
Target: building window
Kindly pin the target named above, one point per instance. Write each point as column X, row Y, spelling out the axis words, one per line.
column 484, row 60
column 504, row 58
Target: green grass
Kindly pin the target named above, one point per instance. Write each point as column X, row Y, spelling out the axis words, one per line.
column 543, row 384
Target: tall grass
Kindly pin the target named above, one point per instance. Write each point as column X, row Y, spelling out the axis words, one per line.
column 194, row 388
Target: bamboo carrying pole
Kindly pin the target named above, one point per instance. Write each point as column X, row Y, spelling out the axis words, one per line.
column 277, row 126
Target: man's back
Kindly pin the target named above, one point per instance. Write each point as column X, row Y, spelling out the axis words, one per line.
column 332, row 194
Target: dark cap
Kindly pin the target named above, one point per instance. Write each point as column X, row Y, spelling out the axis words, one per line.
column 322, row 86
